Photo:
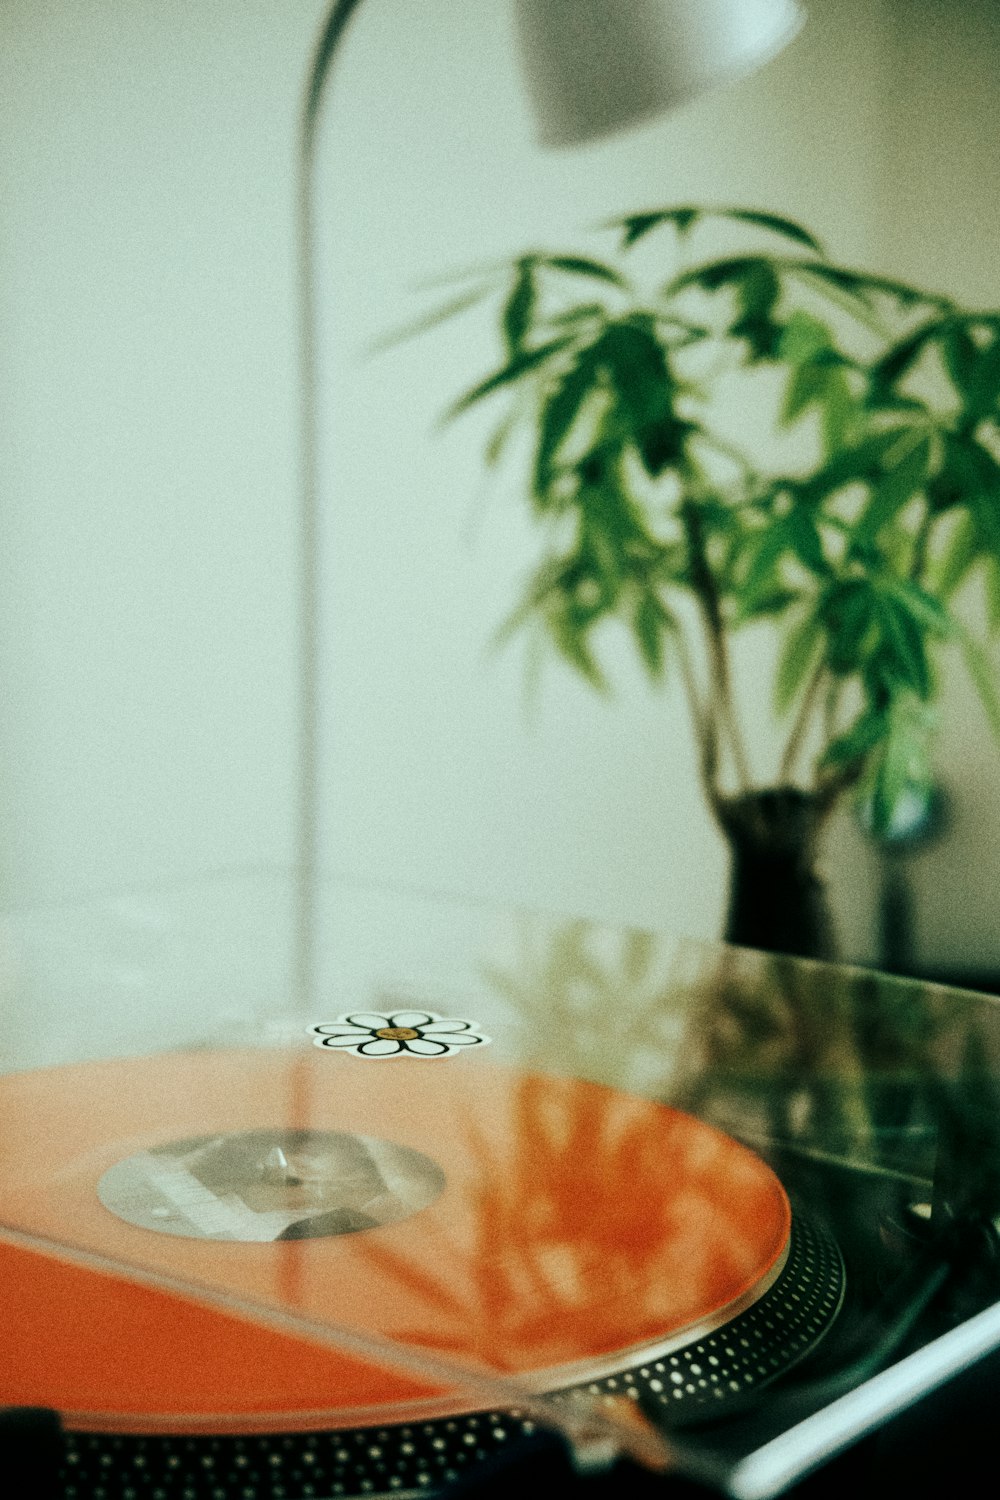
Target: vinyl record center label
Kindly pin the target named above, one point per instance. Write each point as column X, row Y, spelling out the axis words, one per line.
column 270, row 1185
column 574, row 1223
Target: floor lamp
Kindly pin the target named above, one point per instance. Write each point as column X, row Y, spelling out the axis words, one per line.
column 592, row 67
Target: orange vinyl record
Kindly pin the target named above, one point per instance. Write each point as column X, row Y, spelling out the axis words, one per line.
column 539, row 1226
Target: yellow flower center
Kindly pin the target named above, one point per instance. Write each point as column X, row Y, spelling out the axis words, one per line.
column 397, row 1033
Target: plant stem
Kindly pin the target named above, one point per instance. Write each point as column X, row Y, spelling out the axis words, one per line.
column 704, row 722
column 829, row 789
column 801, row 724
column 918, row 562
column 722, row 709
column 831, row 783
column 831, row 704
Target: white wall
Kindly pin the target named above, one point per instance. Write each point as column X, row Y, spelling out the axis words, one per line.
column 148, row 466
column 147, row 439
column 941, row 227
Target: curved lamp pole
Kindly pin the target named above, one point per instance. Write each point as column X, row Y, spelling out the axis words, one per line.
column 592, row 67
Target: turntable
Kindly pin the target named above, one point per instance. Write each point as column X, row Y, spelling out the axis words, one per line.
column 723, row 1212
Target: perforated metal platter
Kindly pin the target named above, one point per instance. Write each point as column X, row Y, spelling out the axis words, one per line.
column 712, row 1371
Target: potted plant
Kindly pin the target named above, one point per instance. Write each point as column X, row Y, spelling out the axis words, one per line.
column 650, row 513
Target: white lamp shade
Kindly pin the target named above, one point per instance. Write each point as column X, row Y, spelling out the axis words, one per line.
column 597, row 66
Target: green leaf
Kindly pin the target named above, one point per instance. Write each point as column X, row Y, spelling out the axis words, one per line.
column 838, row 411
column 799, row 657
column 927, row 612
column 778, row 225
column 637, row 364
column 803, row 338
column 558, row 414
column 759, row 289
column 804, row 537
column 984, row 676
column 857, row 742
column 498, row 440
column 860, row 461
column 850, row 283
column 902, row 767
column 516, row 620
column 669, row 563
column 762, row 335
column 903, row 642
column 848, row 612
column 583, row 312
column 757, row 293
column 901, row 358
column 824, row 385
column 662, row 444
column 982, row 391
column 651, row 623
column 892, row 779
column 636, row 226
column 766, row 549
column 542, row 590
column 580, row 265
column 807, row 386
column 968, row 474
column 952, row 565
column 523, row 364
column 570, row 640
column 985, row 509
column 895, row 401
column 961, row 354
column 517, row 313
column 765, row 605
column 719, row 273
column 861, row 285
column 605, row 529
column 644, row 388
column 495, row 270
column 449, row 309
column 892, row 493
column 765, row 546
column 682, row 219
column 686, row 333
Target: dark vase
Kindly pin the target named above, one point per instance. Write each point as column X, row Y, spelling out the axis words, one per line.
column 777, row 901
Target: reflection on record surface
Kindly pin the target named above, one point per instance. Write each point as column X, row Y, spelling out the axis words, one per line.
column 561, row 1224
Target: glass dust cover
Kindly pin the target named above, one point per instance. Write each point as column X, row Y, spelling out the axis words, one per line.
column 506, row 1171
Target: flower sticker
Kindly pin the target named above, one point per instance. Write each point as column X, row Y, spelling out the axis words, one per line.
column 398, row 1033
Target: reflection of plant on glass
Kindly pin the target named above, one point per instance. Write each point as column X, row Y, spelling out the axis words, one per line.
column 653, row 516
column 593, row 1004
column 826, row 1058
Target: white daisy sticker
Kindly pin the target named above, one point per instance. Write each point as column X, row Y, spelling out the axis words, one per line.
column 398, row 1033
